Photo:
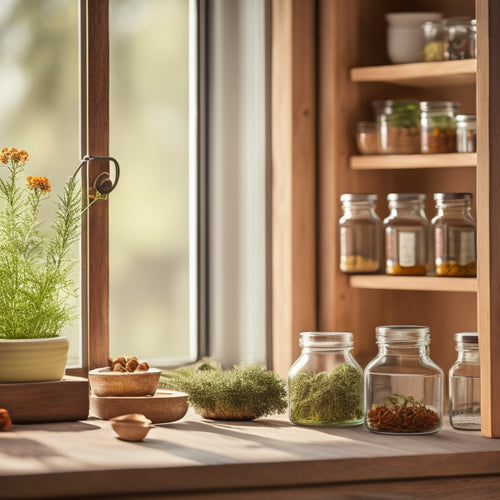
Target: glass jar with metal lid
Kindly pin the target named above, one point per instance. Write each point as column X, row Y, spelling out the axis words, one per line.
column 454, row 233
column 459, row 38
column 466, row 133
column 464, row 384
column 438, row 127
column 359, row 229
column 398, row 123
column 406, row 235
column 403, row 385
column 325, row 384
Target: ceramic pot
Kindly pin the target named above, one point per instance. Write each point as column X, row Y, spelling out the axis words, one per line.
column 33, row 360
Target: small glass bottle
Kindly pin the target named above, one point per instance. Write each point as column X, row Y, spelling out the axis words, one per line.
column 466, row 133
column 403, row 386
column 406, row 235
column 438, row 127
column 398, row 123
column 325, row 384
column 359, row 229
column 454, row 231
column 459, row 38
column 464, row 384
column 433, row 32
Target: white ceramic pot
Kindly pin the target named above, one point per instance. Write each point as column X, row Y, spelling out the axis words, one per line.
column 33, row 360
column 405, row 38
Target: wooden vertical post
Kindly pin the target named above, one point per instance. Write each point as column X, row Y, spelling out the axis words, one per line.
column 293, row 177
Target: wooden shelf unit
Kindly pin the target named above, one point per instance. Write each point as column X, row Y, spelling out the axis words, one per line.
column 414, row 283
column 380, row 162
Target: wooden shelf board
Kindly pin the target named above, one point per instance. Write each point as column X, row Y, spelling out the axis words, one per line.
column 418, row 283
column 424, row 74
column 381, row 162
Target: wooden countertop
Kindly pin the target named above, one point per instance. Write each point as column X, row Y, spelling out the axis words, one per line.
column 268, row 458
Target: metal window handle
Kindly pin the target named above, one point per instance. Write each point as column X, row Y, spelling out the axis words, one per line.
column 103, row 182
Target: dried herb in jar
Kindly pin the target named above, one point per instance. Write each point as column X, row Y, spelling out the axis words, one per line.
column 402, row 414
column 323, row 398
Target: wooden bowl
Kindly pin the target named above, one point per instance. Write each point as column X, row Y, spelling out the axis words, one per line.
column 131, row 427
column 163, row 407
column 105, row 382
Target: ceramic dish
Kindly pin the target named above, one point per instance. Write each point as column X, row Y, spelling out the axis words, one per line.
column 163, row 407
column 131, row 427
column 105, row 382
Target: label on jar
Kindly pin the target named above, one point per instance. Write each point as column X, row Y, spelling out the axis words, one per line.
column 467, row 247
column 406, row 248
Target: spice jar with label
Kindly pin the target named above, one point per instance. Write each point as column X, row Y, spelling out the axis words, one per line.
column 438, row 127
column 464, row 384
column 406, row 235
column 403, row 385
column 466, row 133
column 454, row 231
column 359, row 229
column 398, row 123
column 325, row 384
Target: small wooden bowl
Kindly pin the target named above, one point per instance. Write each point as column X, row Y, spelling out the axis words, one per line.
column 105, row 382
column 131, row 427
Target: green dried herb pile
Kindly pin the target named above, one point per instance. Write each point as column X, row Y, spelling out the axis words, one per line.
column 244, row 392
column 327, row 398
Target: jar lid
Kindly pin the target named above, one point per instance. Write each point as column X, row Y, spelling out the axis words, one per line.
column 467, row 337
column 406, row 197
column 403, row 334
column 358, row 197
column 326, row 340
column 432, row 105
column 452, row 196
column 458, row 21
column 466, row 118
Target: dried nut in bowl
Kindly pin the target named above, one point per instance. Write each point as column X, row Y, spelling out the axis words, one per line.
column 106, row 382
column 131, row 427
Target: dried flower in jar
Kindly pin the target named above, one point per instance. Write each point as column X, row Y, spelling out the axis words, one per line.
column 401, row 414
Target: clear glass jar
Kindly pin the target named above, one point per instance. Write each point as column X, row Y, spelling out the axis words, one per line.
column 325, row 384
column 464, row 384
column 406, row 235
column 367, row 138
column 398, row 124
column 454, row 233
column 438, row 127
column 466, row 133
column 459, row 38
column 433, row 32
column 359, row 236
column 403, row 386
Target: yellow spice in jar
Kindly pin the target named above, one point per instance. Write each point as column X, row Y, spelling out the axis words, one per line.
column 453, row 268
column 358, row 264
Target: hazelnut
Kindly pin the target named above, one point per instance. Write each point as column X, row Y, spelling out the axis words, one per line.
column 132, row 364
column 119, row 368
column 5, row 420
column 143, row 367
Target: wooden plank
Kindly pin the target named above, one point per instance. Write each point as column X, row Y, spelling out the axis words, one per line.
column 196, row 456
column 422, row 283
column 293, row 175
column 62, row 400
column 382, row 162
column 95, row 141
column 488, row 209
column 420, row 74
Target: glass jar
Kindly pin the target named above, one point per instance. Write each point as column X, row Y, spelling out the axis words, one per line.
column 433, row 32
column 454, row 231
column 406, row 235
column 438, row 127
column 466, row 133
column 464, row 384
column 325, row 384
column 367, row 138
column 403, row 386
column 459, row 38
column 398, row 123
column 359, row 237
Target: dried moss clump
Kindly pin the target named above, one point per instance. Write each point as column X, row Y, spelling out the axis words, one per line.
column 245, row 392
column 323, row 398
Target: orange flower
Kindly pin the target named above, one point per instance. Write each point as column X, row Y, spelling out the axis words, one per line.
column 14, row 155
column 39, row 183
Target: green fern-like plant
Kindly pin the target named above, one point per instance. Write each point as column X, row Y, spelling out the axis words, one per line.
column 36, row 268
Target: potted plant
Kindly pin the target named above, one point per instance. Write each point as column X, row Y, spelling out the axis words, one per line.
column 36, row 272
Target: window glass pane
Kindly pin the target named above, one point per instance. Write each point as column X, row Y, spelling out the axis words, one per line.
column 149, row 211
column 39, row 98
